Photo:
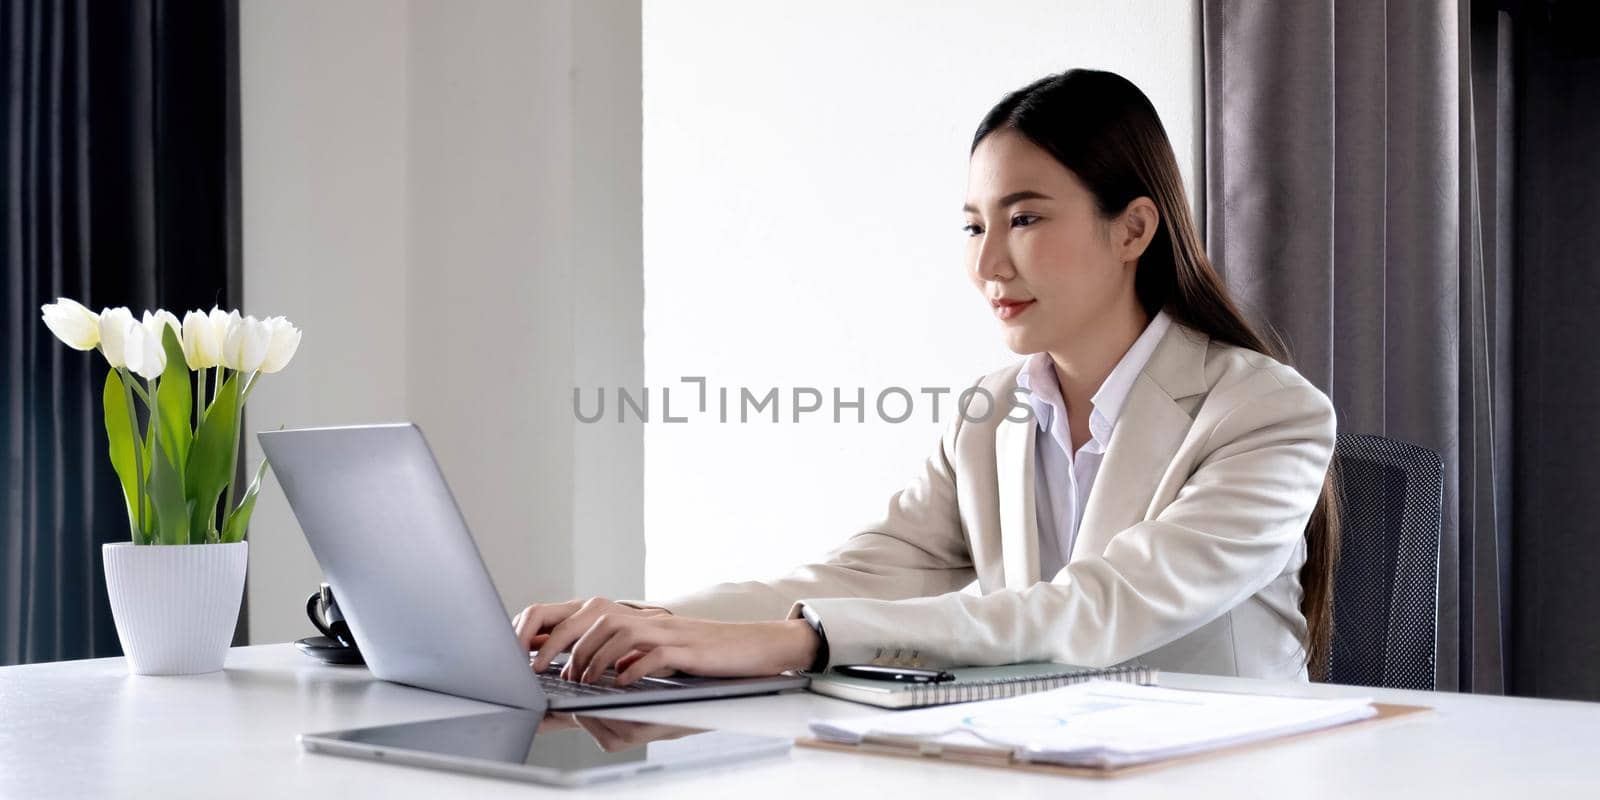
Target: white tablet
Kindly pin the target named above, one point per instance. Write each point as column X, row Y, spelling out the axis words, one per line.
column 557, row 749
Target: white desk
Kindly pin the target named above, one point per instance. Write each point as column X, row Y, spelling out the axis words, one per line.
column 88, row 729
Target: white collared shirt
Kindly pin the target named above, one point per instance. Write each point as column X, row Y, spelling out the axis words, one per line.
column 1063, row 479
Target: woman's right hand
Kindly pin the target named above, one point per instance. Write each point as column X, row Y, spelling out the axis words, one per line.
column 552, row 628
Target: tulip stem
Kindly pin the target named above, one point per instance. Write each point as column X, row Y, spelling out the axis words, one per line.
column 233, row 453
column 250, row 384
column 137, row 389
column 138, row 458
column 151, row 424
column 199, row 397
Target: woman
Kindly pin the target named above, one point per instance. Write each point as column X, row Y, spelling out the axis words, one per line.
column 1206, row 543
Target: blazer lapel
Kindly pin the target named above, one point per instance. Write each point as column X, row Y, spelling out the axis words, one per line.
column 1148, row 433
column 1019, row 522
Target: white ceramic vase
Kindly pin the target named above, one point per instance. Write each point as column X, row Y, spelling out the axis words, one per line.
column 175, row 605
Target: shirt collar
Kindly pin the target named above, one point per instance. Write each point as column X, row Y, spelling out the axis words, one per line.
column 1044, row 392
column 1038, row 377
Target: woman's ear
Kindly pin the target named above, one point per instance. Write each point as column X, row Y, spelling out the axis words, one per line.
column 1136, row 226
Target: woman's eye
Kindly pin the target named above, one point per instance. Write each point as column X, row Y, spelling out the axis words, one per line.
column 1017, row 221
column 972, row 230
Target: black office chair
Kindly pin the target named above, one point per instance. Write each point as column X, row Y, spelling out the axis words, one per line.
column 1386, row 587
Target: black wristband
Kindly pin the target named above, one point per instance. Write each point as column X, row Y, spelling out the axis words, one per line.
column 819, row 663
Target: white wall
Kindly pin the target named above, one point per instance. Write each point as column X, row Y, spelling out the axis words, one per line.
column 525, row 234
column 803, row 169
column 323, row 149
column 445, row 196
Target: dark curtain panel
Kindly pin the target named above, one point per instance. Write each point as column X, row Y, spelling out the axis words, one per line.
column 1358, row 201
column 1557, row 547
column 119, row 153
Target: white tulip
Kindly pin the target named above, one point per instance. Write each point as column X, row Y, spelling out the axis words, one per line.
column 114, row 325
column 72, row 323
column 245, row 346
column 285, row 339
column 202, row 338
column 145, row 355
column 153, row 323
column 222, row 322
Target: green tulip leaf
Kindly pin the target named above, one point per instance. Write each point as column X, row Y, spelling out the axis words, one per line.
column 239, row 520
column 188, row 517
column 210, row 467
column 166, row 495
column 119, row 438
column 174, row 403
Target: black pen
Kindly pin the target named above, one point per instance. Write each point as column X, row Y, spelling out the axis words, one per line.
column 897, row 674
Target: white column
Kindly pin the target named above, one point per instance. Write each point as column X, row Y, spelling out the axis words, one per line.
column 492, row 262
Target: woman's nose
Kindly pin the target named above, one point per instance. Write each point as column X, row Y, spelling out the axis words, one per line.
column 993, row 262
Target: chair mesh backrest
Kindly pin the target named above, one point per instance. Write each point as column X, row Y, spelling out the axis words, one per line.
column 1385, row 595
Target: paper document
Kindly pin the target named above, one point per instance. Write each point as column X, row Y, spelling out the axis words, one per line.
column 1099, row 723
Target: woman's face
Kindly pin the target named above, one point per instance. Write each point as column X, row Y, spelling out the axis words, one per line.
column 1045, row 261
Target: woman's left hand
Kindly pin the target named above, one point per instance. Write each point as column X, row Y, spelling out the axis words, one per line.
column 643, row 645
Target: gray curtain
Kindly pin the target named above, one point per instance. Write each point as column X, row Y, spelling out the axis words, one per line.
column 119, row 185
column 1556, row 637
column 1358, row 200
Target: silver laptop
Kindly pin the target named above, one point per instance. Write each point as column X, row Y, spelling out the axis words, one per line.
column 396, row 550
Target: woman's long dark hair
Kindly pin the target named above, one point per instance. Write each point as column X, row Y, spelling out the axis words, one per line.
column 1102, row 128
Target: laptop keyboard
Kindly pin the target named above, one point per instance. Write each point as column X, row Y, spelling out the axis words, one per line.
column 550, row 680
column 554, row 686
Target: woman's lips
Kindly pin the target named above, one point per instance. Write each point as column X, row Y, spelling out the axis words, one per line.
column 1009, row 309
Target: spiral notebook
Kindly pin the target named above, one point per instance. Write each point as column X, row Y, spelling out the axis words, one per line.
column 975, row 683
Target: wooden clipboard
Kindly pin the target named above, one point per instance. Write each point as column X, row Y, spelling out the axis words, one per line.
column 997, row 758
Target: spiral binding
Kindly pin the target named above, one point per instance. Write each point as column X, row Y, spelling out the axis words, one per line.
column 931, row 694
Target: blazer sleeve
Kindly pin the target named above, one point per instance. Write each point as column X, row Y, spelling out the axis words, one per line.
column 1230, row 531
column 919, row 548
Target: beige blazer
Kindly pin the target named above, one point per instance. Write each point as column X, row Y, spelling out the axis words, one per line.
column 1187, row 556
